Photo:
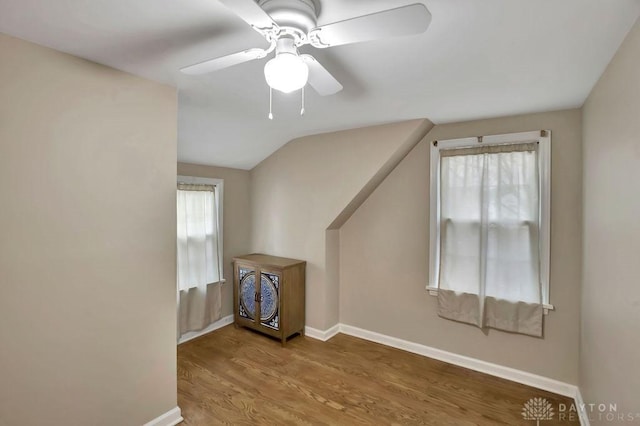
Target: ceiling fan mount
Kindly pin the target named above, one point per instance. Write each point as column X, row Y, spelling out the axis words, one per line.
column 294, row 18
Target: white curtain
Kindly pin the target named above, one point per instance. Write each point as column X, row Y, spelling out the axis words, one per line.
column 198, row 257
column 489, row 216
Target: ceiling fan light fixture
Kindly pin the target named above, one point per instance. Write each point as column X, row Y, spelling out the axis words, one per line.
column 287, row 72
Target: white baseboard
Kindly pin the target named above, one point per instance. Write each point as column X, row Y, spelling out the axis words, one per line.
column 582, row 414
column 170, row 418
column 322, row 335
column 508, row 373
column 224, row 321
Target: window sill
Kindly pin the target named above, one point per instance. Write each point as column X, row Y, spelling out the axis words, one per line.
column 433, row 291
column 222, row 281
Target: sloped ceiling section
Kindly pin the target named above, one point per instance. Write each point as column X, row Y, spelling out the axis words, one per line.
column 478, row 59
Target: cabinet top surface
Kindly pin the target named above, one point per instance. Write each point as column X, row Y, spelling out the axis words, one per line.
column 264, row 259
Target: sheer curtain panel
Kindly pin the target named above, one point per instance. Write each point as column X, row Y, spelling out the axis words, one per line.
column 489, row 237
column 198, row 257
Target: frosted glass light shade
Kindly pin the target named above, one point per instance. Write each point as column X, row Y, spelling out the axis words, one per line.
column 286, row 72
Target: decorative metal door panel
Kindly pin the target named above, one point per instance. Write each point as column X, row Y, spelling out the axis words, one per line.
column 269, row 297
column 270, row 300
column 247, row 291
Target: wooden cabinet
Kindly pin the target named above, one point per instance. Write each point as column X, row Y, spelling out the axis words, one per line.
column 275, row 306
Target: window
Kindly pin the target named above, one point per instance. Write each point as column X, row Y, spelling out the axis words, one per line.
column 490, row 217
column 199, row 232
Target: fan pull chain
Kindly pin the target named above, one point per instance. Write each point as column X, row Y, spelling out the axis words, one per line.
column 270, row 103
column 302, row 110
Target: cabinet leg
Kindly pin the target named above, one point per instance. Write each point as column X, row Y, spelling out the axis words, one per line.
column 284, row 341
column 302, row 332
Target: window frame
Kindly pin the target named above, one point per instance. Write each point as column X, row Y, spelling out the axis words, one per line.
column 543, row 137
column 219, row 194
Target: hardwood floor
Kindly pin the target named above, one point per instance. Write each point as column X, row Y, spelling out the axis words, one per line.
column 235, row 376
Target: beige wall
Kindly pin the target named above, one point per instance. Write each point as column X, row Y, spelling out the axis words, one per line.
column 87, row 247
column 303, row 187
column 610, row 341
column 236, row 218
column 384, row 254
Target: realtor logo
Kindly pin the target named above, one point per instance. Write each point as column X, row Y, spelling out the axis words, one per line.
column 537, row 409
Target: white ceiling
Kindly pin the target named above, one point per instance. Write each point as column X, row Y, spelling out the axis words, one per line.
column 479, row 58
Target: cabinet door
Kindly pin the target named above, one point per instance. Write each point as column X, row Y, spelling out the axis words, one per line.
column 247, row 296
column 270, row 299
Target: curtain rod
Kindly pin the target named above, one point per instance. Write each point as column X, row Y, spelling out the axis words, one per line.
column 543, row 134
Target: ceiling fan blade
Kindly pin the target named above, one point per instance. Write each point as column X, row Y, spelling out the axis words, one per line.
column 224, row 62
column 402, row 21
column 319, row 78
column 252, row 14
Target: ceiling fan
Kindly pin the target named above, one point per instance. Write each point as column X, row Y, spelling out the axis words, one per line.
column 289, row 24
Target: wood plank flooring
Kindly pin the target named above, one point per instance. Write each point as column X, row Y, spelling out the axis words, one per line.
column 235, row 376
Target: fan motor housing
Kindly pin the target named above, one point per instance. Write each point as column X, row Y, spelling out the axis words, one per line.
column 296, row 17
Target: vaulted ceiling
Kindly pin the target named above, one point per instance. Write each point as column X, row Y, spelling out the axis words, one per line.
column 477, row 59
